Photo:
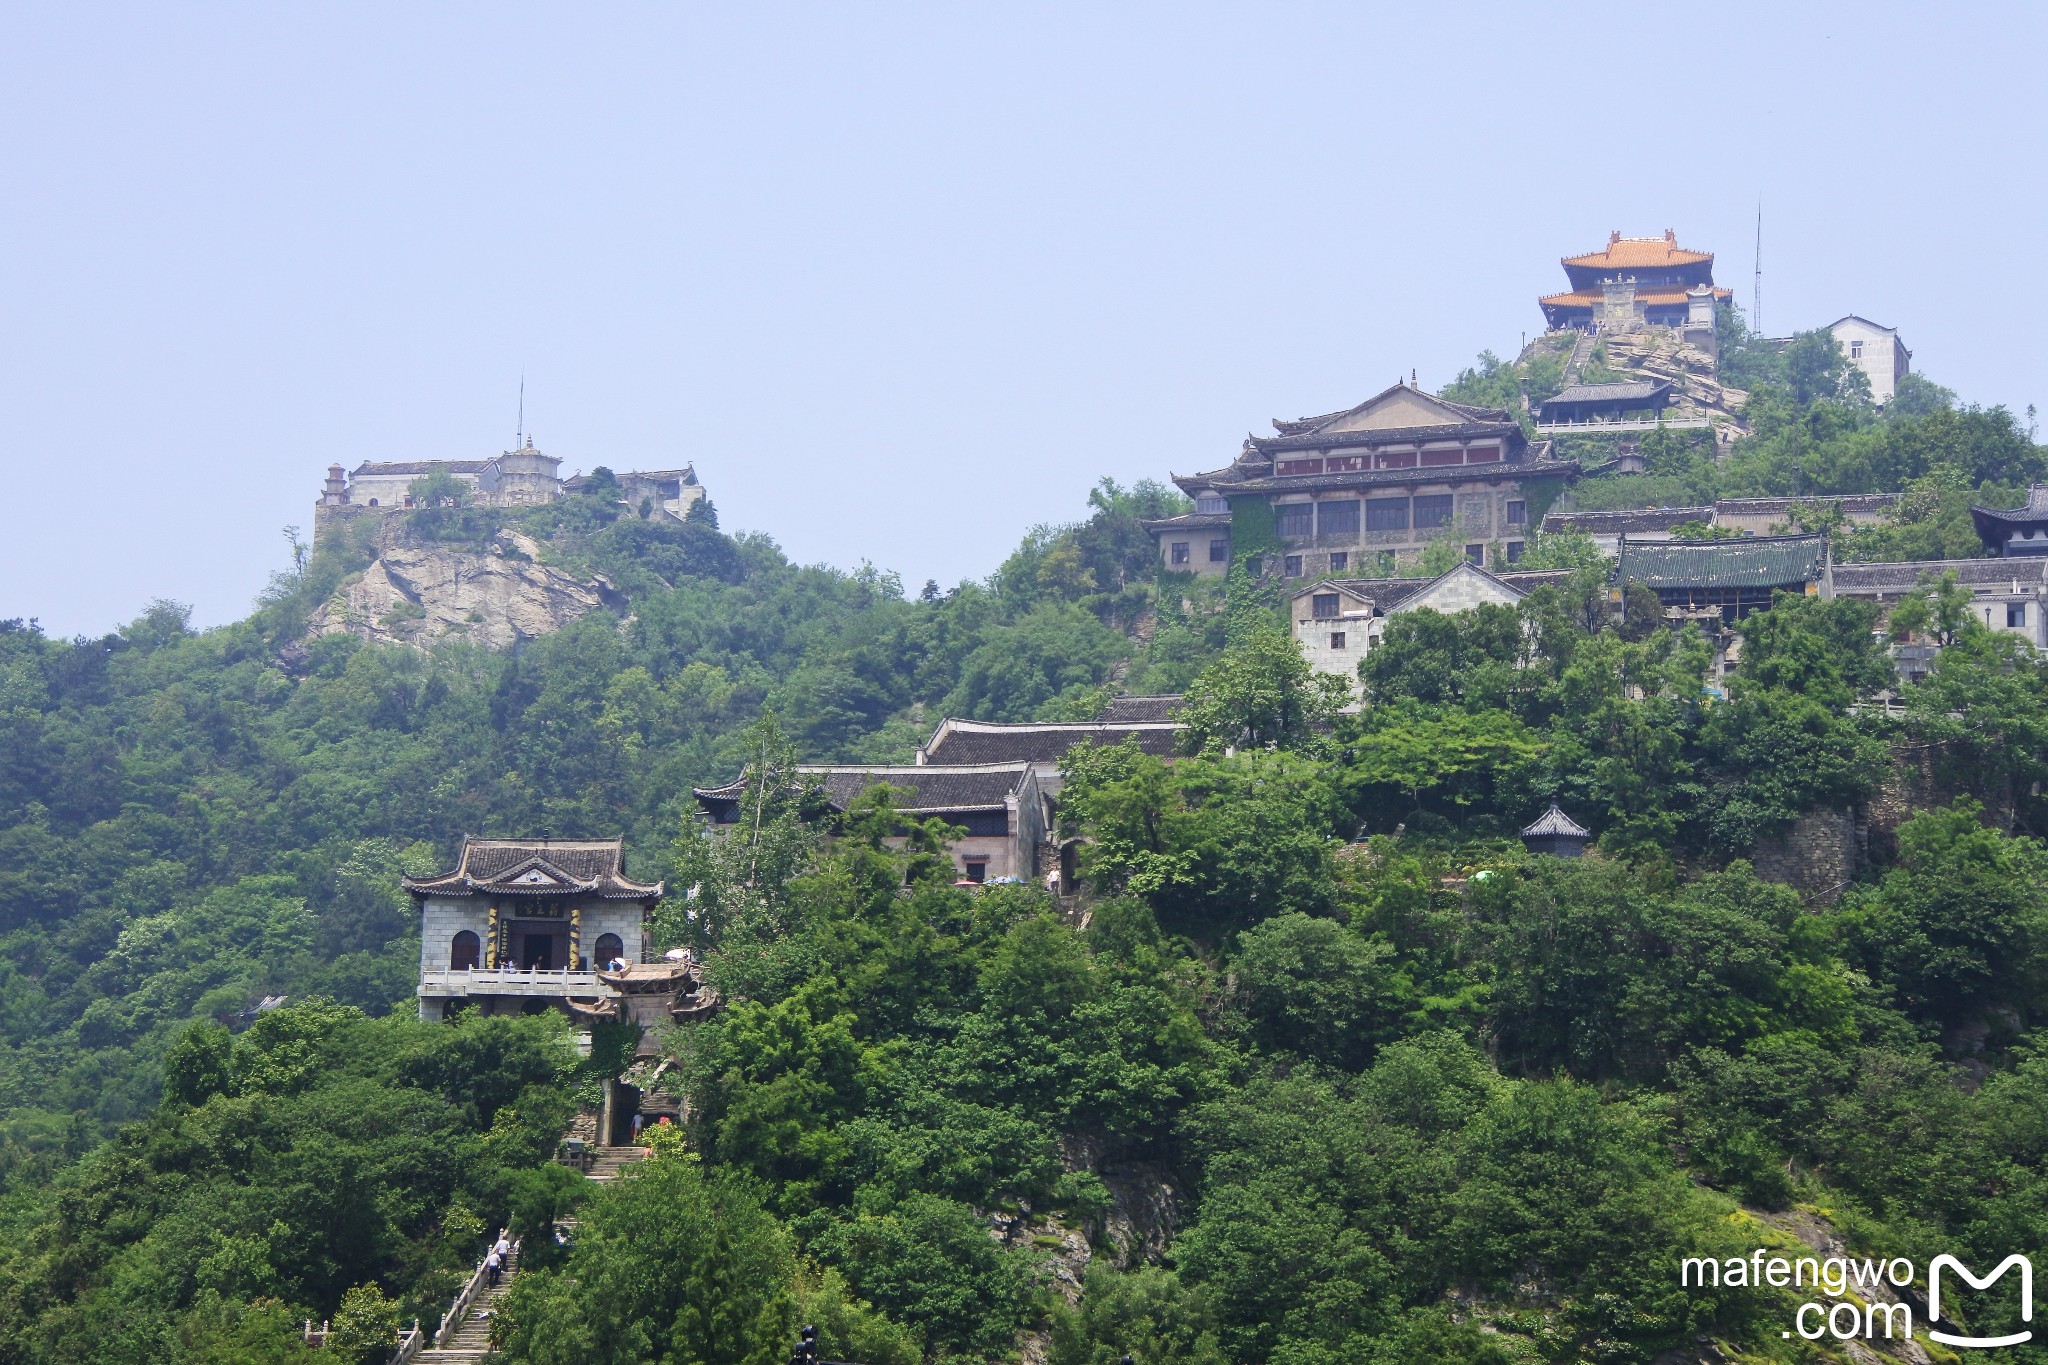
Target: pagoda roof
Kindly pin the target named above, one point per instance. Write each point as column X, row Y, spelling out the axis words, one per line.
column 538, row 867
column 1134, row 710
column 1750, row 562
column 1555, row 822
column 1396, row 414
column 1255, row 478
column 1650, row 294
column 958, row 742
column 2033, row 513
column 1639, row 253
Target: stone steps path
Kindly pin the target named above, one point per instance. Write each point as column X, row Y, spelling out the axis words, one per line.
column 471, row 1343
column 608, row 1163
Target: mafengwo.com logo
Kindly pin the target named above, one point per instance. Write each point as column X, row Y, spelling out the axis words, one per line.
column 1847, row 1309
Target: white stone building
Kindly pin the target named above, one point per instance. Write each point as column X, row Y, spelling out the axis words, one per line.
column 1875, row 350
column 515, row 478
column 1338, row 621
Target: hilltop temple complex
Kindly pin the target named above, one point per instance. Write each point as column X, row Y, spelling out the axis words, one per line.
column 524, row 477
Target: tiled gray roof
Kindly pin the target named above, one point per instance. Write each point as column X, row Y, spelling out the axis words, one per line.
column 1849, row 502
column 931, row 788
column 1987, row 575
column 1751, row 562
column 1038, row 743
column 1135, row 710
column 537, row 867
column 1555, row 821
column 1638, row 519
column 1608, row 393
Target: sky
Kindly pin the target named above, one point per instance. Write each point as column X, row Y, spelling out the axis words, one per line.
column 903, row 280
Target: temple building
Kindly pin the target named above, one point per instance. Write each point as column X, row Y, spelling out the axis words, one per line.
column 2015, row 532
column 1725, row 580
column 521, row 926
column 998, row 804
column 1361, row 490
column 517, row 478
column 1624, row 406
column 1636, row 281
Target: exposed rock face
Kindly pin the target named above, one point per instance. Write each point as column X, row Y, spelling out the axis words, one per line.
column 419, row 595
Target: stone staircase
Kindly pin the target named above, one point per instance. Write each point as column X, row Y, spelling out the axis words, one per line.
column 608, row 1163
column 470, row 1343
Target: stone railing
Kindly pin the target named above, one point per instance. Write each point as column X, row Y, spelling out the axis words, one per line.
column 512, row 981
column 1629, row 424
column 451, row 1321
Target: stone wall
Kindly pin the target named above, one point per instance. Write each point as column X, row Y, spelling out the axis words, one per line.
column 1818, row 856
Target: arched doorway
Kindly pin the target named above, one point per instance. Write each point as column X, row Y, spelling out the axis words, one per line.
column 463, row 952
column 608, row 946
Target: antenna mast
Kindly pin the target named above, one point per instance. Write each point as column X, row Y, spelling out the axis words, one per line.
column 1756, row 293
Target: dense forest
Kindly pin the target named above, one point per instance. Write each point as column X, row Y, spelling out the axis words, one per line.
column 1331, row 1069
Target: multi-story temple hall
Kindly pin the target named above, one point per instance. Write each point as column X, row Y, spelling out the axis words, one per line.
column 522, row 925
column 1358, row 491
column 1634, row 281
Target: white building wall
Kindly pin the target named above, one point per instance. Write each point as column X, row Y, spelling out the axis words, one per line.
column 1877, row 351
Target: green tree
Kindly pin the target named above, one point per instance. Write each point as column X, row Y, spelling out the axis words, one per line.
column 1261, row 694
column 673, row 1266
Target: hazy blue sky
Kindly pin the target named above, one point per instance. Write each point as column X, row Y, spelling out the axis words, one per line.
column 903, row 280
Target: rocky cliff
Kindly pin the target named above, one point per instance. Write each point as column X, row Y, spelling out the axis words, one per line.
column 422, row 594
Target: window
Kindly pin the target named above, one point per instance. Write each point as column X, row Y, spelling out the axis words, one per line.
column 1386, row 514
column 1337, row 518
column 1432, row 510
column 1219, row 550
column 1180, row 552
column 1342, row 464
column 1855, row 350
column 607, row 950
column 1482, row 455
column 1514, row 552
column 1440, row 457
column 1209, row 502
column 976, row 870
column 1340, row 560
column 1295, row 519
column 1323, row 605
column 1518, row 512
column 1299, row 467
column 1290, row 566
column 463, row 952
column 1336, row 639
column 1476, row 554
column 2016, row 613
column 1397, row 459
column 1385, row 562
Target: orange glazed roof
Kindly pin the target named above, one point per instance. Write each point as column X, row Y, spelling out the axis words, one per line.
column 1588, row 298
column 1637, row 253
